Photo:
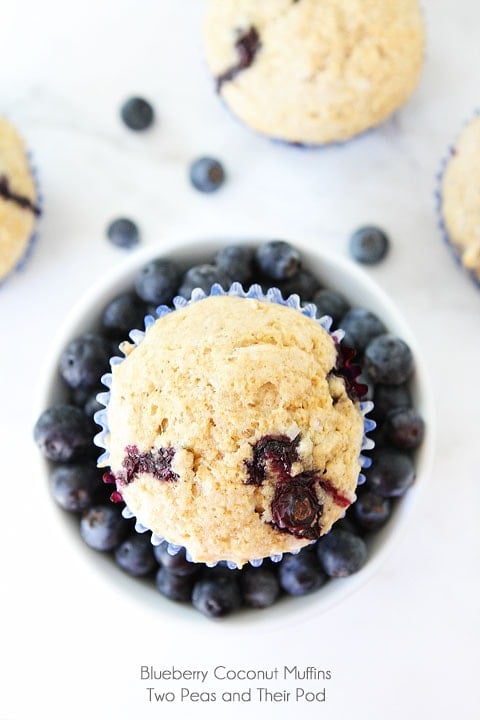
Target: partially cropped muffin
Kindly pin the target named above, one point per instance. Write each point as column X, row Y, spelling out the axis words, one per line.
column 232, row 428
column 460, row 198
column 314, row 71
column 19, row 205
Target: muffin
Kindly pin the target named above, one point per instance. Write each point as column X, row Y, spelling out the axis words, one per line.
column 459, row 198
column 232, row 428
column 314, row 71
column 19, row 206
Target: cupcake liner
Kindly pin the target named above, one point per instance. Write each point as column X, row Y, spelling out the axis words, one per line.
column 255, row 292
column 438, row 198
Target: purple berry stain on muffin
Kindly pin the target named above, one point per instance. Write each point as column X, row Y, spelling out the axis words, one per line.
column 295, row 506
column 157, row 462
column 247, row 46
column 276, row 453
column 22, row 201
column 349, row 371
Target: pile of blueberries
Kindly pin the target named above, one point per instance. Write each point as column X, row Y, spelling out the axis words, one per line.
column 64, row 434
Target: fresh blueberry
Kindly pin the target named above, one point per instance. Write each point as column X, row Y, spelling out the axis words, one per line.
column 75, row 487
column 387, row 398
column 135, row 555
column 63, row 433
column 123, row 233
column 85, row 360
column 388, row 359
column 91, row 405
column 371, row 510
column 103, row 527
column 391, row 474
column 217, row 593
column 301, row 574
column 178, row 563
column 341, row 553
column 157, row 281
column 260, row 586
column 122, row 314
column 236, row 261
column 405, row 428
column 329, row 302
column 303, row 283
column 203, row 276
column 360, row 327
column 173, row 586
column 137, row 113
column 207, row 174
column 277, row 259
column 369, row 245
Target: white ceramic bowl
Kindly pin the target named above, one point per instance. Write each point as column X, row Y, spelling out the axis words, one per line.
column 333, row 271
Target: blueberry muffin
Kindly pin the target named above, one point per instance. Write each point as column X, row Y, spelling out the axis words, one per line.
column 18, row 199
column 460, row 198
column 314, row 71
column 231, row 428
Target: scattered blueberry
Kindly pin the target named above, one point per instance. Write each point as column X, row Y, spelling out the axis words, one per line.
column 392, row 473
column 236, row 261
column 177, row 564
column 217, row 593
column 388, row 359
column 91, row 405
column 63, row 433
column 341, row 553
column 369, row 245
column 203, row 276
column 175, row 587
column 135, row 555
column 301, row 574
column 85, row 360
column 260, row 586
column 103, row 527
column 303, row 283
column 360, row 327
column 123, row 233
column 207, row 174
column 371, row 511
column 75, row 487
column 137, row 113
column 277, row 259
column 405, row 428
column 122, row 314
column 390, row 397
column 329, row 302
column 157, row 281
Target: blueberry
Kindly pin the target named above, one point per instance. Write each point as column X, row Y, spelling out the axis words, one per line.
column 217, row 594
column 303, row 283
column 277, row 259
column 405, row 428
column 260, row 586
column 85, row 360
column 207, row 174
column 360, row 326
column 300, row 574
column 329, row 302
column 91, row 405
column 173, row 586
column 387, row 398
column 236, row 261
column 75, row 487
column 103, row 527
column 391, row 474
column 123, row 233
column 157, row 281
column 122, row 314
column 178, row 563
column 371, row 510
column 341, row 553
column 388, row 359
column 369, row 245
column 135, row 555
column 63, row 433
column 137, row 113
column 203, row 276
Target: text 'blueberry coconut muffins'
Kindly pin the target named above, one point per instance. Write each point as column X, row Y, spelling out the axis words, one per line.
column 314, row 71
column 19, row 201
column 459, row 198
column 232, row 428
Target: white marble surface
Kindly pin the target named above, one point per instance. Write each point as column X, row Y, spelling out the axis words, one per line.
column 405, row 645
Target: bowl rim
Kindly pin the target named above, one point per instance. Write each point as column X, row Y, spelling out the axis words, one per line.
column 291, row 610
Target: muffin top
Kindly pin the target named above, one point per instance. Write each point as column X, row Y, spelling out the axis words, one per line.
column 231, row 432
column 17, row 198
column 460, row 194
column 314, row 71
